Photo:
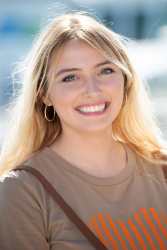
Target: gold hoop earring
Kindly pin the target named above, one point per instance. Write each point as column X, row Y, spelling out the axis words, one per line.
column 45, row 112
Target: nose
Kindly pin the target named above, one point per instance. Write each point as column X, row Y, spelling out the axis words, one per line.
column 91, row 88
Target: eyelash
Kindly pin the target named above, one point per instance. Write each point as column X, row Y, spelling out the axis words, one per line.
column 67, row 78
column 109, row 71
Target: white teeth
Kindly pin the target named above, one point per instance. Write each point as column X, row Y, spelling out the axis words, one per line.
column 92, row 109
column 96, row 108
column 84, row 109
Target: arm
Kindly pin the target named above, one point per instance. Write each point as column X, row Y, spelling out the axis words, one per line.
column 21, row 222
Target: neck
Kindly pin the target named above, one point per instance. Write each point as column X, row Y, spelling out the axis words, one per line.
column 97, row 154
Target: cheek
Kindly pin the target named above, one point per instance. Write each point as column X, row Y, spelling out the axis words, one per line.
column 117, row 87
column 62, row 96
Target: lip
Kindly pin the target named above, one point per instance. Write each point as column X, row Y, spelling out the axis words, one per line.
column 95, row 113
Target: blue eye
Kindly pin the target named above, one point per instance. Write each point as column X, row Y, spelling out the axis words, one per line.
column 106, row 71
column 69, row 78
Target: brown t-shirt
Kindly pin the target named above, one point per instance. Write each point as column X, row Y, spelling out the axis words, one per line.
column 127, row 211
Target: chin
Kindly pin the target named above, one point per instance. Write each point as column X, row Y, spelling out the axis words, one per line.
column 96, row 129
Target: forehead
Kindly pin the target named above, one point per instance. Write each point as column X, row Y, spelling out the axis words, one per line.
column 78, row 53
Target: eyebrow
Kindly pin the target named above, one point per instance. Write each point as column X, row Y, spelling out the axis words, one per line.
column 62, row 71
column 102, row 63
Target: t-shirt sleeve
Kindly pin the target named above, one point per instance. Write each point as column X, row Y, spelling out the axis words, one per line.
column 21, row 221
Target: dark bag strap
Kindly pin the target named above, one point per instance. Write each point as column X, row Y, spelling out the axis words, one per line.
column 66, row 208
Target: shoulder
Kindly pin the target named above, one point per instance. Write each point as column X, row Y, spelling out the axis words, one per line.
column 156, row 172
column 17, row 184
column 146, row 168
column 43, row 161
column 23, row 180
column 22, row 203
column 21, row 196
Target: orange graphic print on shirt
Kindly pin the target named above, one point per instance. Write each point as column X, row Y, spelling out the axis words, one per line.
column 148, row 228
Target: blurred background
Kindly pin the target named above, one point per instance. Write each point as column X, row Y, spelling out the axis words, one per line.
column 145, row 22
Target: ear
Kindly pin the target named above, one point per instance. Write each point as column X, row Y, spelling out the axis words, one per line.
column 45, row 100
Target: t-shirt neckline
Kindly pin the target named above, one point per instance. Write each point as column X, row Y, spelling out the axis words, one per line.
column 60, row 162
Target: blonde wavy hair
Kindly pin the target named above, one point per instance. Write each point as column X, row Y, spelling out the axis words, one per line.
column 31, row 132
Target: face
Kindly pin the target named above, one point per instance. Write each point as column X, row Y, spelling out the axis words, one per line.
column 87, row 93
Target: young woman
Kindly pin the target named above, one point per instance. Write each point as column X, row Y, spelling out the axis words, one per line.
column 83, row 120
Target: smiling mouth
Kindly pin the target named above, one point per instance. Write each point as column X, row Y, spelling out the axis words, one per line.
column 93, row 108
